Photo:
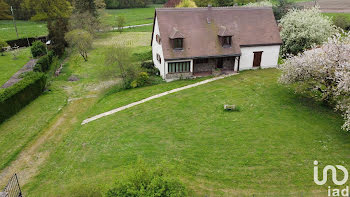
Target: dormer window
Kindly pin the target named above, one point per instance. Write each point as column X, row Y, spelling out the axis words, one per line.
column 177, row 39
column 226, row 41
column 178, row 43
column 225, row 36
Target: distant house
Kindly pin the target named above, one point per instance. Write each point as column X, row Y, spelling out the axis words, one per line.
column 172, row 3
column 189, row 42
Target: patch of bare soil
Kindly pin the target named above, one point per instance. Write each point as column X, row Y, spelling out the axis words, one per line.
column 330, row 6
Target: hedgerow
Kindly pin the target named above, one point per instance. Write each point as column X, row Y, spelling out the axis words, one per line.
column 14, row 98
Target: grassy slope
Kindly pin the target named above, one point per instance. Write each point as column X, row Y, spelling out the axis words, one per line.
column 269, row 146
column 25, row 29
column 9, row 66
column 133, row 16
column 22, row 128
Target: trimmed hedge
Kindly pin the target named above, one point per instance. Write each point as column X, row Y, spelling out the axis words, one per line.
column 38, row 49
column 14, row 98
column 43, row 64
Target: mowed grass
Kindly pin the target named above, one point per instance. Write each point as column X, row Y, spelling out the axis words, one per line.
column 267, row 148
column 133, row 16
column 333, row 15
column 21, row 129
column 26, row 29
column 9, row 66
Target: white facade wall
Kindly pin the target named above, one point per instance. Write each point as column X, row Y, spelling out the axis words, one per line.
column 157, row 49
column 269, row 56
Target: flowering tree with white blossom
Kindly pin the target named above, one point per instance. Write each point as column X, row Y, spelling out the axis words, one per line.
column 324, row 73
column 259, row 4
column 303, row 28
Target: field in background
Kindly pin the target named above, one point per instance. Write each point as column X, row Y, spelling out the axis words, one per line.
column 9, row 66
column 25, row 29
column 133, row 16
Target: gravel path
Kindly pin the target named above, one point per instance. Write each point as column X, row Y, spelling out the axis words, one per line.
column 153, row 97
column 16, row 77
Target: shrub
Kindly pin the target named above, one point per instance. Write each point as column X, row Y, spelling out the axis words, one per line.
column 342, row 22
column 186, row 4
column 143, row 56
column 144, row 181
column 14, row 98
column 38, row 49
column 259, row 4
column 323, row 73
column 3, row 44
column 43, row 64
column 141, row 80
column 150, row 68
column 303, row 28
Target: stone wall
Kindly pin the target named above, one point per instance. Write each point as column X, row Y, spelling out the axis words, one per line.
column 174, row 76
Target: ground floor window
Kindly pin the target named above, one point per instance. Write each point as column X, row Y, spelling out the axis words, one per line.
column 179, row 67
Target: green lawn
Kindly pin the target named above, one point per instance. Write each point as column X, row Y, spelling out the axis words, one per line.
column 347, row 15
column 18, row 131
column 133, row 16
column 267, row 148
column 9, row 66
column 25, row 29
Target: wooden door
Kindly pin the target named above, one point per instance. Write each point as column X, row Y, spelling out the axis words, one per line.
column 257, row 59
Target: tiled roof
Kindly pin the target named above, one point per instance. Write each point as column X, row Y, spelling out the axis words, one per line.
column 201, row 26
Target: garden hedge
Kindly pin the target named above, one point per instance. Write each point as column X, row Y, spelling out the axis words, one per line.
column 14, row 98
column 43, row 64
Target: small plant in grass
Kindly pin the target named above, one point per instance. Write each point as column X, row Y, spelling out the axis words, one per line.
column 3, row 44
column 146, row 182
column 15, row 51
column 120, row 23
column 38, row 49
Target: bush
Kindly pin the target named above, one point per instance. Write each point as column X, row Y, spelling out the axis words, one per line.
column 301, row 29
column 3, row 44
column 14, row 98
column 342, row 22
column 150, row 68
column 43, row 64
column 143, row 181
column 144, row 56
column 38, row 49
column 141, row 80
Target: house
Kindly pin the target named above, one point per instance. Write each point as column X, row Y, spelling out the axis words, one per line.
column 172, row 3
column 190, row 42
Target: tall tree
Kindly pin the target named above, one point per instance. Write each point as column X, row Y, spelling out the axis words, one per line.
column 82, row 6
column 56, row 13
column 4, row 10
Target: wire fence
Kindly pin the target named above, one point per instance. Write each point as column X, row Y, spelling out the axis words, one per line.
column 12, row 189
